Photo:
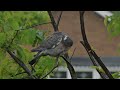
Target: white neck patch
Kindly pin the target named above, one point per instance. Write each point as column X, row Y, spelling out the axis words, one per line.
column 65, row 37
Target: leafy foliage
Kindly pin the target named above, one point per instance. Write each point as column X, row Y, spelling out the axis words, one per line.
column 113, row 24
column 116, row 75
column 14, row 37
column 98, row 68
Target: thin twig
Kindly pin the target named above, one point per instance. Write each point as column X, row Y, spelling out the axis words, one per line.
column 56, row 65
column 25, row 29
column 86, row 43
column 42, row 72
column 19, row 73
column 59, row 18
column 49, row 72
column 33, row 26
column 13, row 38
column 72, row 54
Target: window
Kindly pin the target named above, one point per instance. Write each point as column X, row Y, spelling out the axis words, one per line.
column 59, row 74
column 84, row 74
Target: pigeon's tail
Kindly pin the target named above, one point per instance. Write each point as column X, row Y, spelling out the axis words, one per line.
column 35, row 59
column 32, row 62
column 37, row 50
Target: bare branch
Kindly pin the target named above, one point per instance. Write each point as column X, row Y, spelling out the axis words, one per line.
column 70, row 68
column 72, row 54
column 59, row 18
column 87, row 45
column 94, row 63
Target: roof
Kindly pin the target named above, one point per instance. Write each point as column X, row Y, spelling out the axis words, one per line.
column 85, row 61
column 104, row 13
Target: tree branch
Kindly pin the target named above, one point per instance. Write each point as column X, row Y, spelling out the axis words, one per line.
column 70, row 68
column 86, row 43
column 59, row 18
column 93, row 61
column 33, row 26
column 53, row 21
column 17, row 60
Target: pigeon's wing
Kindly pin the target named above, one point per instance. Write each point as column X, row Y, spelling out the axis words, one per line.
column 51, row 42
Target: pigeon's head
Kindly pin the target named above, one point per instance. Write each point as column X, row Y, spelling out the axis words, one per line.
column 67, row 41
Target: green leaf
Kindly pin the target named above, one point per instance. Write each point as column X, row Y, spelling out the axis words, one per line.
column 10, row 35
column 2, row 54
column 28, row 54
column 14, row 24
column 44, row 65
column 98, row 68
column 2, row 39
column 20, row 53
column 106, row 20
column 27, row 36
column 113, row 24
column 6, row 27
column 40, row 35
column 116, row 75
